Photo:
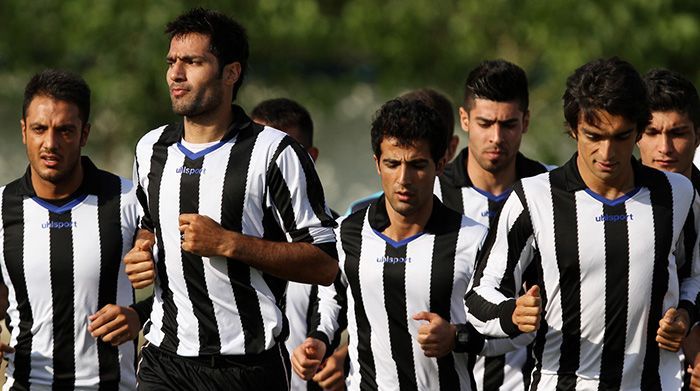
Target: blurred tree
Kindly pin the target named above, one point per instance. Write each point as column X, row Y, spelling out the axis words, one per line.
column 341, row 58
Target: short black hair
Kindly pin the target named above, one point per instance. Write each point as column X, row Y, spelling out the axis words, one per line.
column 59, row 85
column 439, row 103
column 283, row 113
column 499, row 81
column 609, row 84
column 668, row 90
column 228, row 40
column 409, row 121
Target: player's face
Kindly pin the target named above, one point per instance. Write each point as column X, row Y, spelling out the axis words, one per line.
column 669, row 142
column 495, row 130
column 193, row 77
column 407, row 174
column 605, row 150
column 53, row 134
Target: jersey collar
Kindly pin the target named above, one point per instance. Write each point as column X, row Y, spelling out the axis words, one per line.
column 90, row 184
column 175, row 133
column 643, row 175
column 456, row 171
column 379, row 218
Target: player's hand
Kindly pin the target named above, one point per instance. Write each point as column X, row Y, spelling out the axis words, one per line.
column 115, row 324
column 672, row 329
column 139, row 265
column 528, row 310
column 331, row 376
column 695, row 374
column 307, row 357
column 437, row 337
column 203, row 236
column 5, row 348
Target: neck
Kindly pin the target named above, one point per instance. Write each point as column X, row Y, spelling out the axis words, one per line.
column 496, row 183
column 612, row 188
column 208, row 127
column 403, row 227
column 56, row 191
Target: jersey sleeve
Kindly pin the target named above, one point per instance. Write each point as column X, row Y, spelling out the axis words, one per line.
column 297, row 196
column 688, row 258
column 507, row 252
column 330, row 318
column 146, row 222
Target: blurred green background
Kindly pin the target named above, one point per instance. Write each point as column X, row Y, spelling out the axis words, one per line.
column 339, row 58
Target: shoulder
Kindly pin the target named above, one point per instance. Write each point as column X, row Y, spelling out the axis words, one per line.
column 149, row 139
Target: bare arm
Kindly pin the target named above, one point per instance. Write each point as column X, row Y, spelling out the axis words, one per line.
column 299, row 261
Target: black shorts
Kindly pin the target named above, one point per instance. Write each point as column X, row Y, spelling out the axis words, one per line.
column 160, row 371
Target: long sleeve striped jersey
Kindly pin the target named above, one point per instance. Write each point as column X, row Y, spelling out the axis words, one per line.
column 607, row 270
column 387, row 283
column 256, row 181
column 510, row 371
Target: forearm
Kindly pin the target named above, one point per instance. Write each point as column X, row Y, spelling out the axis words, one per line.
column 499, row 346
column 299, row 261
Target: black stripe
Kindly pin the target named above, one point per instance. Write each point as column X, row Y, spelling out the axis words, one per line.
column 494, row 208
column 527, row 367
column 442, row 272
column 314, row 189
column 13, row 254
column 313, row 316
column 471, row 363
column 517, row 240
column 662, row 209
column 616, row 300
column 541, row 337
column 394, row 277
column 351, row 237
column 193, row 267
column 566, row 251
column 282, row 197
column 689, row 237
column 451, row 195
column 493, row 372
column 155, row 175
column 61, row 269
column 111, row 244
column 235, row 187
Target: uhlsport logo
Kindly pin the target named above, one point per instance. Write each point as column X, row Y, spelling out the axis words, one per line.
column 59, row 224
column 614, row 218
column 190, row 171
column 394, row 260
column 488, row 213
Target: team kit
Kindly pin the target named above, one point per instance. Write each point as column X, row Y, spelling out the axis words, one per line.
column 471, row 269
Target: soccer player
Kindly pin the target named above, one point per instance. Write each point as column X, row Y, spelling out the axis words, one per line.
column 495, row 116
column 602, row 232
column 65, row 227
column 406, row 261
column 443, row 106
column 668, row 143
column 237, row 210
column 301, row 300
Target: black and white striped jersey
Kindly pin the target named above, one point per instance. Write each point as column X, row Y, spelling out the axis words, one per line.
column 607, row 271
column 62, row 264
column 387, row 283
column 510, row 371
column 256, row 181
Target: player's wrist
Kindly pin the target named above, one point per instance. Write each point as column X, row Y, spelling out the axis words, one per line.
column 467, row 339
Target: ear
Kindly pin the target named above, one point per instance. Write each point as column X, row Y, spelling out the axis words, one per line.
column 451, row 148
column 23, row 125
column 440, row 166
column 84, row 134
column 697, row 136
column 526, row 121
column 464, row 119
column 376, row 164
column 232, row 72
column 313, row 152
